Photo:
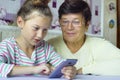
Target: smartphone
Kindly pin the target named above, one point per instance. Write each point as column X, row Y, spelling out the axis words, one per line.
column 57, row 72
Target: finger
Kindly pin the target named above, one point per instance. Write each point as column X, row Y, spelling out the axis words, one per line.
column 69, row 72
column 67, row 77
column 50, row 67
column 47, row 71
column 70, row 68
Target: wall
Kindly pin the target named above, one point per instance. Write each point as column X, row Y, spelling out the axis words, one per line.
column 104, row 18
column 10, row 31
column 11, row 7
column 110, row 21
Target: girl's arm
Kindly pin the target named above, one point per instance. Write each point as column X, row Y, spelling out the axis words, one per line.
column 8, row 65
column 22, row 70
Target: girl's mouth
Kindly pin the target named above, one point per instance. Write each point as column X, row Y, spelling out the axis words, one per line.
column 37, row 41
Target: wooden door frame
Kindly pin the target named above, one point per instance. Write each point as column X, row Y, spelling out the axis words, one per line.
column 118, row 23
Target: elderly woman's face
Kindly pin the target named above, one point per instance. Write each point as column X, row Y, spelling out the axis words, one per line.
column 73, row 27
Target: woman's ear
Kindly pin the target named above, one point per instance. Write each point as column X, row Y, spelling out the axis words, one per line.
column 87, row 25
column 20, row 22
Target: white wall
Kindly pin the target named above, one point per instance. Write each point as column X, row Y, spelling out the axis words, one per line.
column 105, row 16
column 9, row 31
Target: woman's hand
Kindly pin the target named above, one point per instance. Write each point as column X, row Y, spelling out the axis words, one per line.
column 79, row 71
column 69, row 72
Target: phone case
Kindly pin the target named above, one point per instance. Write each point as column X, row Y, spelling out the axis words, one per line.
column 57, row 72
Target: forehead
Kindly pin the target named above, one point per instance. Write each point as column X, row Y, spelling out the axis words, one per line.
column 72, row 16
column 34, row 14
column 37, row 15
column 42, row 21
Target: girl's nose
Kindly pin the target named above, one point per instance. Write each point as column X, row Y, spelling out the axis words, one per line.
column 40, row 34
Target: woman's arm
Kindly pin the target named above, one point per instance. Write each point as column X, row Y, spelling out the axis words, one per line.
column 106, row 60
column 111, row 67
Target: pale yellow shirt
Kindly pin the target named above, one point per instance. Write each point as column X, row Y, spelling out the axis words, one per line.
column 97, row 56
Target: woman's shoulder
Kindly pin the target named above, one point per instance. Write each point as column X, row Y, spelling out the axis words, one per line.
column 92, row 38
column 97, row 40
column 55, row 39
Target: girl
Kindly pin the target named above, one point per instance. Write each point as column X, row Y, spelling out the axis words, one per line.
column 28, row 53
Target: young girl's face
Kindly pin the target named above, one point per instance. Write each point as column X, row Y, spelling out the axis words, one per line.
column 34, row 29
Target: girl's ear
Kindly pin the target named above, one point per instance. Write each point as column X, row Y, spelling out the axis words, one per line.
column 20, row 22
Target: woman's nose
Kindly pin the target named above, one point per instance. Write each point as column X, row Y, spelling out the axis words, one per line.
column 70, row 26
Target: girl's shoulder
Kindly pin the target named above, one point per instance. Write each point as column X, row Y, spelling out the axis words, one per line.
column 8, row 41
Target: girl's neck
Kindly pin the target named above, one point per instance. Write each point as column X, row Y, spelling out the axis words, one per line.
column 24, row 46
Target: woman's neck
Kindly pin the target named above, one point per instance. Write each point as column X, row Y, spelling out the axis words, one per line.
column 75, row 46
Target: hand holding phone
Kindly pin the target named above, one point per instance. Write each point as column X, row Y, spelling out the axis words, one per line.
column 57, row 72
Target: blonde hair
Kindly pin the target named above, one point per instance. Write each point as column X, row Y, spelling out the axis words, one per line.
column 41, row 6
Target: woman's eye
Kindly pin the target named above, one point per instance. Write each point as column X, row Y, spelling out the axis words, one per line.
column 76, row 22
column 64, row 22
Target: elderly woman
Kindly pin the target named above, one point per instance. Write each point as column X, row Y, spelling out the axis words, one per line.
column 95, row 55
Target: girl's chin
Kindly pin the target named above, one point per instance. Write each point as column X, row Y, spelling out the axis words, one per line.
column 36, row 43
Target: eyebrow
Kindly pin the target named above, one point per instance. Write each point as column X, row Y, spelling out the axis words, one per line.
column 73, row 19
column 37, row 25
column 42, row 27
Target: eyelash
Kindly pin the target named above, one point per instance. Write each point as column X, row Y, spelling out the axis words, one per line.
column 45, row 30
column 36, row 28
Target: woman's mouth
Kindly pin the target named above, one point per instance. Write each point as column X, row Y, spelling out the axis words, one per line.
column 70, row 34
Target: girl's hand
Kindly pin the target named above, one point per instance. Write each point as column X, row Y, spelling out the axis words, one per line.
column 41, row 69
column 50, row 67
column 69, row 72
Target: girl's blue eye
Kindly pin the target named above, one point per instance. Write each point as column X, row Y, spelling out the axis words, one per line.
column 45, row 30
column 35, row 28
